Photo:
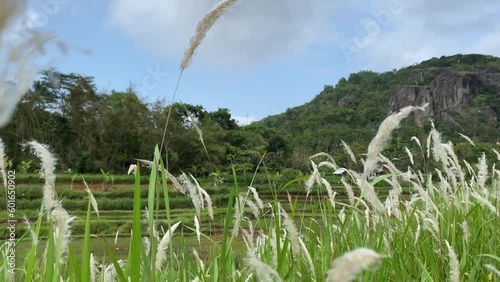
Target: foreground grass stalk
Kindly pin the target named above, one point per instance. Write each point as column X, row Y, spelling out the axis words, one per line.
column 135, row 249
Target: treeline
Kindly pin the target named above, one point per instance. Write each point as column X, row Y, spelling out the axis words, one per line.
column 94, row 132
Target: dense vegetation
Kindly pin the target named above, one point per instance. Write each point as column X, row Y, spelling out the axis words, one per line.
column 94, row 132
column 91, row 131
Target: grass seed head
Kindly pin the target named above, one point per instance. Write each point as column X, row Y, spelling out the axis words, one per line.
column 201, row 30
column 348, row 266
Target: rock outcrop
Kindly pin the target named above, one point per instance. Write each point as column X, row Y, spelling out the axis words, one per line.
column 450, row 91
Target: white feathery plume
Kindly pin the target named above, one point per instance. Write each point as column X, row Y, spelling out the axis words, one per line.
column 414, row 138
column 454, row 265
column 482, row 173
column 201, row 265
column 293, row 233
column 197, row 227
column 93, row 201
column 348, row 266
column 93, row 268
column 492, row 269
column 263, row 271
column 383, row 134
column 193, row 192
column 163, row 245
column 256, row 197
column 467, row 138
column 204, row 197
column 47, row 172
column 410, row 155
column 348, row 150
column 203, row 27
column 330, row 158
column 116, row 236
column 132, row 168
column 497, row 153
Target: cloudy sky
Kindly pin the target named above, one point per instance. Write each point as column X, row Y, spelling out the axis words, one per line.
column 263, row 56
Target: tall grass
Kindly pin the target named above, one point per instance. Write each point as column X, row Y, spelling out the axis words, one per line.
column 443, row 230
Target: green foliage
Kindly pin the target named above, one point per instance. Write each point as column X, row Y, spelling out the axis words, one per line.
column 90, row 130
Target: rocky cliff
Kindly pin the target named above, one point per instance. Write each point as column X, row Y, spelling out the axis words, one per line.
column 449, row 93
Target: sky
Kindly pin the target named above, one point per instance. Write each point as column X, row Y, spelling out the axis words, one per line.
column 262, row 56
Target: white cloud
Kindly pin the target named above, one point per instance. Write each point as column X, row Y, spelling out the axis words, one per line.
column 240, row 120
column 251, row 32
column 488, row 44
column 424, row 29
column 256, row 31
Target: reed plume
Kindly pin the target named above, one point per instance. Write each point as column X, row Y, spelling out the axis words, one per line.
column 348, row 266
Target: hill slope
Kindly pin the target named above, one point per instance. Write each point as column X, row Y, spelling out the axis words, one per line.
column 463, row 92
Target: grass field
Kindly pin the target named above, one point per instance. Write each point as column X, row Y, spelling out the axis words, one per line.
column 290, row 235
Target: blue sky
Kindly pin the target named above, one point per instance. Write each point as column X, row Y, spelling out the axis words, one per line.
column 263, row 56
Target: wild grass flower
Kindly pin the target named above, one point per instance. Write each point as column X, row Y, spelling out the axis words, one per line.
column 454, row 264
column 256, row 197
column 116, row 236
column 93, row 201
column 34, row 237
column 238, row 213
column 492, row 269
column 193, row 192
column 292, row 231
column 410, row 155
column 255, row 209
column 350, row 192
column 146, row 243
column 382, row 136
column 47, row 173
column 204, row 197
column 274, row 247
column 307, row 255
column 349, row 152
column 197, row 227
column 348, row 266
column 331, row 160
column 194, row 122
column 201, row 264
column 485, row 202
column 173, row 179
column 497, row 153
column 314, row 178
column 430, row 224
column 163, row 245
column 203, row 27
column 248, row 237
column 417, row 233
column 414, row 138
column 109, row 271
column 59, row 217
column 132, row 169
column 262, row 271
column 62, row 230
column 466, row 231
column 93, row 268
column 482, row 173
column 329, row 191
column 467, row 139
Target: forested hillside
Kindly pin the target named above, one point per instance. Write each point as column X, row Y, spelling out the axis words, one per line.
column 463, row 93
column 92, row 131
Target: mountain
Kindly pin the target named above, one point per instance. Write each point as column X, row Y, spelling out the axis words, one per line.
column 463, row 93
